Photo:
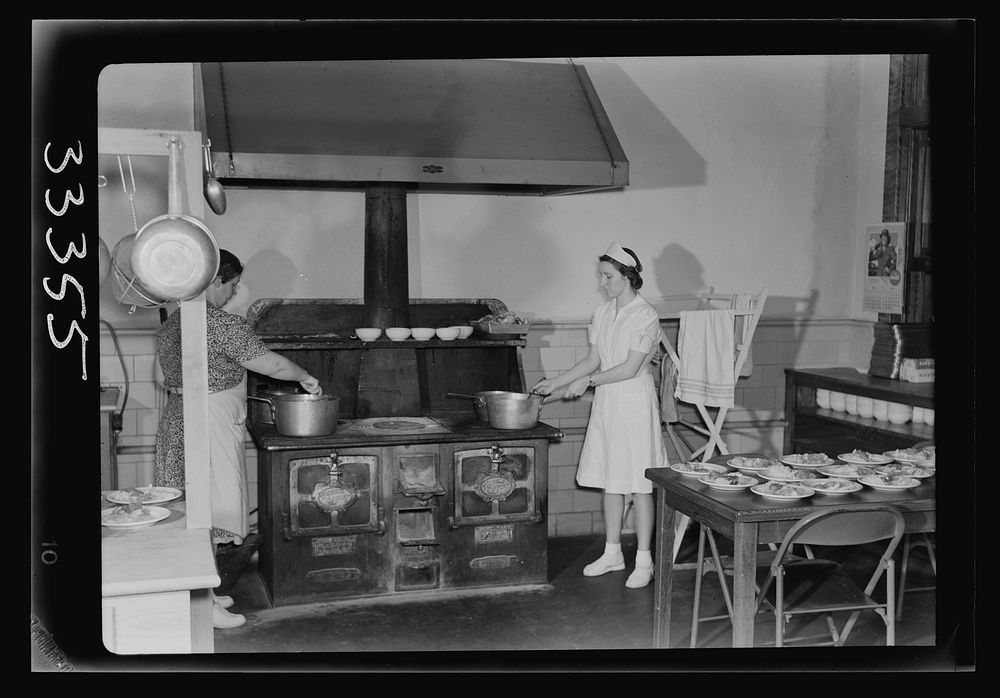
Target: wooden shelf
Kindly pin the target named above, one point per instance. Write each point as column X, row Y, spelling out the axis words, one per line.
column 340, row 343
column 814, row 429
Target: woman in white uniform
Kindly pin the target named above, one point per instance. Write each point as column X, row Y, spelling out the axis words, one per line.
column 623, row 435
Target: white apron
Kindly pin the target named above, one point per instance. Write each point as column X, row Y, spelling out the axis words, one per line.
column 624, row 436
column 227, row 469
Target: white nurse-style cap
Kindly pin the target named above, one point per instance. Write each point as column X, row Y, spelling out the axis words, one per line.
column 618, row 253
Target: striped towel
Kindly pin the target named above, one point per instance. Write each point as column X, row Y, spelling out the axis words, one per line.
column 706, row 350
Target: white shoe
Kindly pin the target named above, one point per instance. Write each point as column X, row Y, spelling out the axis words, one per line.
column 603, row 565
column 221, row 618
column 224, row 601
column 641, row 576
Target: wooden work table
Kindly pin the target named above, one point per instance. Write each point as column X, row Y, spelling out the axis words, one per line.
column 749, row 520
column 156, row 586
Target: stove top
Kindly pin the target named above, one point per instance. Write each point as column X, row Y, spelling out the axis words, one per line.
column 378, row 426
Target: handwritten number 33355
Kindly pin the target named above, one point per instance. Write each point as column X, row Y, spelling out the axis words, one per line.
column 71, row 250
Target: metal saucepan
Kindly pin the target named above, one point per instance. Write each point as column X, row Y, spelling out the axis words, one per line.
column 261, row 409
column 303, row 415
column 482, row 411
column 175, row 256
column 516, row 410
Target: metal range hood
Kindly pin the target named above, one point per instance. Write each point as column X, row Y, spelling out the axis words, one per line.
column 462, row 126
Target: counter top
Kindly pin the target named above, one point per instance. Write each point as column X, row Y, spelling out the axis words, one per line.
column 454, row 427
column 167, row 556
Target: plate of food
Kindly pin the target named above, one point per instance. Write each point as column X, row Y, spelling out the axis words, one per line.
column 144, row 495
column 783, row 490
column 849, row 471
column 924, row 456
column 728, row 481
column 696, row 469
column 908, row 469
column 751, row 463
column 132, row 517
column 832, row 485
column 859, row 457
column 784, row 473
column 889, row 483
column 807, row 460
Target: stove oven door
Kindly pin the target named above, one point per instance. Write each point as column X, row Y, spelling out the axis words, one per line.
column 495, row 483
column 334, row 495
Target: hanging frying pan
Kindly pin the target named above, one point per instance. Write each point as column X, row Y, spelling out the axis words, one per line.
column 175, row 256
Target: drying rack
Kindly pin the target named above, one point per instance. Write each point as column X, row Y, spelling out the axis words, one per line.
column 746, row 309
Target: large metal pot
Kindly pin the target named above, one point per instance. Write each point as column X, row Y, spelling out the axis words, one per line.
column 515, row 410
column 479, row 402
column 261, row 409
column 303, row 415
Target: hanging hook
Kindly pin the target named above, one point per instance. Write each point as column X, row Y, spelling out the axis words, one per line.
column 129, row 194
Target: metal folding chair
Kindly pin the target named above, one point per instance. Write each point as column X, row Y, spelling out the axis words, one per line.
column 795, row 587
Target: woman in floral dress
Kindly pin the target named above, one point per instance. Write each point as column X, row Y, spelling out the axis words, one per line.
column 232, row 348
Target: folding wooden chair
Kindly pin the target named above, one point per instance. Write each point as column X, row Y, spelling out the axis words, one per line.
column 746, row 309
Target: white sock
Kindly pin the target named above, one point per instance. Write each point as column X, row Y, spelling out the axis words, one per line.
column 612, row 550
column 643, row 558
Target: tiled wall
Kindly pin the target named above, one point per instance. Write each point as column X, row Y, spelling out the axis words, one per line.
column 755, row 424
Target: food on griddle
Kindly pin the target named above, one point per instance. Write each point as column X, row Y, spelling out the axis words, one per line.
column 848, row 470
column 504, row 318
column 783, row 472
column 754, row 462
column 895, row 480
column 832, row 485
column 906, row 469
column 127, row 513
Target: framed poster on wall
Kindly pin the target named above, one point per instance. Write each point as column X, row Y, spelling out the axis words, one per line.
column 885, row 261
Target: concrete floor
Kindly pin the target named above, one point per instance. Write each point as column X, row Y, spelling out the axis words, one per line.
column 576, row 622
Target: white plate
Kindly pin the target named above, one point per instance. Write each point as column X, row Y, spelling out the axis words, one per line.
column 801, row 492
column 875, row 482
column 795, row 476
column 153, row 495
column 796, row 461
column 908, row 469
column 155, row 514
column 847, row 471
column 688, row 469
column 873, row 459
column 911, row 455
column 823, row 485
column 750, row 463
column 744, row 482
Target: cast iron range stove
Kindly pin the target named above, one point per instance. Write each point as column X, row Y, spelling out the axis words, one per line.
column 412, row 493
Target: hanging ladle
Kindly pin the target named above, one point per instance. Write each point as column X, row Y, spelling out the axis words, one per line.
column 215, row 195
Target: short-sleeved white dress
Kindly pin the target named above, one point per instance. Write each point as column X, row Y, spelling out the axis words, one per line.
column 624, row 435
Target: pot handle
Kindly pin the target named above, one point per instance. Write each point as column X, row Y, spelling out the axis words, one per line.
column 274, row 416
column 467, row 397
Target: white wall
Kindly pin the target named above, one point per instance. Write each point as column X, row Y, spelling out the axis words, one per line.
column 745, row 172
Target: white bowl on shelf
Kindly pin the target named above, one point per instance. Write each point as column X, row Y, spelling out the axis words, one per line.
column 850, row 403
column 823, row 398
column 898, row 413
column 397, row 334
column 866, row 407
column 368, row 334
column 422, row 333
column 447, row 333
column 836, row 401
column 918, row 415
column 929, row 416
column 464, row 331
column 880, row 410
